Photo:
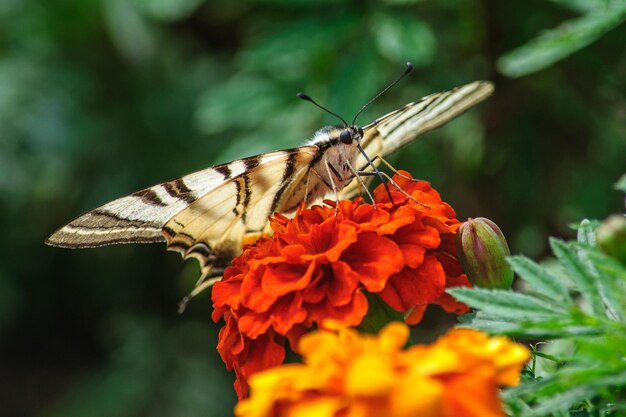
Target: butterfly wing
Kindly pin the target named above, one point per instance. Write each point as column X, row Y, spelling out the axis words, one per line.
column 206, row 214
column 394, row 130
column 199, row 214
column 212, row 228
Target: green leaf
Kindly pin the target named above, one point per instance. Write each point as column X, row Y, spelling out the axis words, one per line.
column 129, row 31
column 506, row 304
column 294, row 44
column 611, row 279
column 580, row 275
column 540, row 279
column 621, row 184
column 167, row 10
column 402, row 38
column 533, row 328
column 582, row 6
column 586, row 233
column 562, row 41
column 571, row 387
column 379, row 314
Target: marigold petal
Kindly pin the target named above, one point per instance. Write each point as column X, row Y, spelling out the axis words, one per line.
column 399, row 218
column 287, row 313
column 418, row 234
column 253, row 324
column 393, row 336
column 413, row 255
column 318, row 264
column 346, row 374
column 262, row 353
column 374, row 259
column 412, row 287
column 282, row 279
column 316, row 290
column 253, row 296
column 479, row 396
column 227, row 293
column 417, row 396
column 350, row 314
column 415, row 315
column 448, row 302
column 342, row 285
column 314, row 407
column 328, row 240
column 370, row 374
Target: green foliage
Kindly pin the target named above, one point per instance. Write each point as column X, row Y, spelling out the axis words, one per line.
column 569, row 37
column 101, row 98
column 153, row 370
column 580, row 305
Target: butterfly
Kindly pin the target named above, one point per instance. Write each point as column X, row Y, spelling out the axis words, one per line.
column 207, row 214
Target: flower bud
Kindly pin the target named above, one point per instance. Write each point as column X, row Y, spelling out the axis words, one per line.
column 611, row 237
column 482, row 251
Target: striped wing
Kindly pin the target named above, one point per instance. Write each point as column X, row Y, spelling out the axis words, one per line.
column 201, row 214
column 394, row 130
column 212, row 228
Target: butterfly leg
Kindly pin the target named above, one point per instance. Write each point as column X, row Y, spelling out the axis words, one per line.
column 395, row 185
column 376, row 171
column 330, row 186
column 333, row 186
column 306, row 187
column 361, row 183
column 395, row 171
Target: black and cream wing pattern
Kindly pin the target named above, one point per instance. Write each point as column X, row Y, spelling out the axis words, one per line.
column 203, row 215
column 206, row 214
column 392, row 131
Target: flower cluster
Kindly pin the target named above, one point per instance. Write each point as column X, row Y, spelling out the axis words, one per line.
column 318, row 266
column 348, row 374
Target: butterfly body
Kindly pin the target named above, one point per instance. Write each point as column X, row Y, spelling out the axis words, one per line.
column 206, row 214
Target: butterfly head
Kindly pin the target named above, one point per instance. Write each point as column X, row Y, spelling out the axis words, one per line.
column 349, row 135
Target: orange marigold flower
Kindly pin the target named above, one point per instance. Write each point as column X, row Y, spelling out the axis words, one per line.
column 348, row 374
column 319, row 265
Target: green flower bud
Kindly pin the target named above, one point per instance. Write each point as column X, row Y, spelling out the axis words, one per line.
column 611, row 237
column 482, row 251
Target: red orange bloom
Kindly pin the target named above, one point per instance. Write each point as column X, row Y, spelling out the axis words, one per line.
column 319, row 264
column 350, row 375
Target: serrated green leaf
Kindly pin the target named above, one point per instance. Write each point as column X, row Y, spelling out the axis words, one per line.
column 572, row 386
column 516, row 407
column 487, row 323
column 562, row 41
column 540, row 279
column 586, row 233
column 506, row 304
column 561, row 326
column 611, row 280
column 577, row 271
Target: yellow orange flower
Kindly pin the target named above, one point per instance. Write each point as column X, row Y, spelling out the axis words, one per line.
column 346, row 374
column 320, row 264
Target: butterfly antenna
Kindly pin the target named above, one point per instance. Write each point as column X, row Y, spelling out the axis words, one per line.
column 409, row 68
column 307, row 98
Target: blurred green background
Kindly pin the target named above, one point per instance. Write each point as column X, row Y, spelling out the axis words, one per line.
column 100, row 98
